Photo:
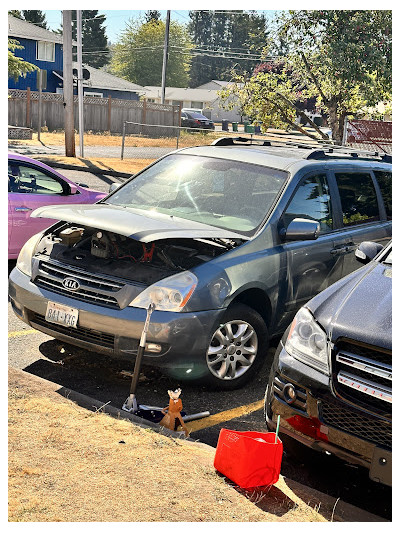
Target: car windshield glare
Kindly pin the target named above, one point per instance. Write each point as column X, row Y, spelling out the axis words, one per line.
column 224, row 193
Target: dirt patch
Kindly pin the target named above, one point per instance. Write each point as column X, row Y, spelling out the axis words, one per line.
column 70, row 465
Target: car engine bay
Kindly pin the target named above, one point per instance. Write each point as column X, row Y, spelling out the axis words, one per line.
column 103, row 252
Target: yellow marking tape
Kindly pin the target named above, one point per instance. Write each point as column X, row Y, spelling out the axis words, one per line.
column 22, row 332
column 224, row 416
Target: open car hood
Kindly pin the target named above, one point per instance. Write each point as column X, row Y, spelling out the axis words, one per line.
column 143, row 226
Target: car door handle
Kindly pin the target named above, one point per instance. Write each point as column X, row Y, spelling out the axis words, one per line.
column 345, row 249
column 22, row 209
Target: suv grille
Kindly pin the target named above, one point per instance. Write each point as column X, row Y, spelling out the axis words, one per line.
column 92, row 336
column 368, row 428
column 363, row 374
column 92, row 288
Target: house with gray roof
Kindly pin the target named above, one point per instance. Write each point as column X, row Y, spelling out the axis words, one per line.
column 44, row 49
column 203, row 98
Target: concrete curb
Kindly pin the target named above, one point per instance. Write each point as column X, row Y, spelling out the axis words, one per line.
column 334, row 509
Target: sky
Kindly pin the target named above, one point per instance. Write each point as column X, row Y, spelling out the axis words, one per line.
column 116, row 19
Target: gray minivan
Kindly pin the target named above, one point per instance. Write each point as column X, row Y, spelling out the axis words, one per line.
column 228, row 241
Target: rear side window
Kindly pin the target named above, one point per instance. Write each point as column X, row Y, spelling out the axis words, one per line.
column 358, row 198
column 312, row 201
column 384, row 180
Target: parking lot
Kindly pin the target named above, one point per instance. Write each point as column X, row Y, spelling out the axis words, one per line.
column 108, row 380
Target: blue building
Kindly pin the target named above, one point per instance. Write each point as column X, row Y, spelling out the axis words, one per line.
column 44, row 49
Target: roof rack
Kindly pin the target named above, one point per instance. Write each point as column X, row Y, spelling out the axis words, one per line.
column 316, row 151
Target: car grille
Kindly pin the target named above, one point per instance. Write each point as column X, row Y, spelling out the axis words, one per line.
column 93, row 288
column 371, row 429
column 363, row 374
column 92, row 336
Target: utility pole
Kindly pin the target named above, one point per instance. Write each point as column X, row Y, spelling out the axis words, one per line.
column 39, row 78
column 68, row 85
column 80, row 81
column 165, row 57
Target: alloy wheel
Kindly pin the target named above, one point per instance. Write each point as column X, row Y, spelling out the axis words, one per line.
column 232, row 350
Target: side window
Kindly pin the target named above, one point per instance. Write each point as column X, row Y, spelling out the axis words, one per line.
column 358, row 198
column 312, row 201
column 384, row 180
column 24, row 179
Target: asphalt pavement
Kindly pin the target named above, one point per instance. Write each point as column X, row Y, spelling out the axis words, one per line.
column 108, row 380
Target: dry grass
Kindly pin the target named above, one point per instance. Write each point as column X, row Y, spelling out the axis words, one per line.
column 70, row 465
column 104, row 139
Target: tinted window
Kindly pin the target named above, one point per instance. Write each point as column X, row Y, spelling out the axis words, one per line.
column 358, row 198
column 385, row 184
column 219, row 192
column 25, row 179
column 312, row 201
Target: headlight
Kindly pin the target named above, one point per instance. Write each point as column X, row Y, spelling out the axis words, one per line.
column 24, row 261
column 170, row 294
column 307, row 342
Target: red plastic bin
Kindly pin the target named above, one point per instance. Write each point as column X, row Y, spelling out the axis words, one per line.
column 249, row 458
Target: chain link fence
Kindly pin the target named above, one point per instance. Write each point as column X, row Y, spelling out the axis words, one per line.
column 151, row 141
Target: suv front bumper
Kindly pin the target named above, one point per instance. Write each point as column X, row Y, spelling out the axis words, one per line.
column 183, row 337
column 321, row 421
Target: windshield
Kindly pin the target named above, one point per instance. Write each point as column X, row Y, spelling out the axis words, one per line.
column 227, row 194
column 197, row 115
column 388, row 259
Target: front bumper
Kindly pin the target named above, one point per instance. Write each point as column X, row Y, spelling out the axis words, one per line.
column 324, row 422
column 183, row 337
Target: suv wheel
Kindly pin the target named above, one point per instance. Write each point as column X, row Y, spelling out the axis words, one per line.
column 237, row 348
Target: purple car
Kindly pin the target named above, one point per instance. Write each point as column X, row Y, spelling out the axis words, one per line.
column 32, row 184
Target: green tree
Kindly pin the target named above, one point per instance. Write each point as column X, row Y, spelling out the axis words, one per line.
column 271, row 97
column 95, row 49
column 152, row 15
column 35, row 17
column 345, row 56
column 340, row 58
column 231, row 34
column 138, row 54
column 16, row 13
column 16, row 65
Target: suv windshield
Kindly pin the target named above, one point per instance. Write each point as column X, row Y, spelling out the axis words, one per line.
column 223, row 193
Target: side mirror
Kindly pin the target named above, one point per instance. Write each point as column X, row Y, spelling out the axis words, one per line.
column 84, row 185
column 113, row 187
column 367, row 250
column 73, row 188
column 301, row 229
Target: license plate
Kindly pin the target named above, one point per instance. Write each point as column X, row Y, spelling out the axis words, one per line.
column 62, row 314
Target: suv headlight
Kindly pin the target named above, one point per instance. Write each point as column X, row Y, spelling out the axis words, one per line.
column 24, row 261
column 307, row 341
column 170, row 294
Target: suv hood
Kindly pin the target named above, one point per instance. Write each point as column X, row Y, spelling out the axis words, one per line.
column 143, row 226
column 358, row 307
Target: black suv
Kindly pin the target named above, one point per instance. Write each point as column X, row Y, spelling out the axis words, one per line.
column 331, row 380
column 227, row 240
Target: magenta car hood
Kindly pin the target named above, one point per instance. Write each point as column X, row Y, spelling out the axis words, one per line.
column 144, row 226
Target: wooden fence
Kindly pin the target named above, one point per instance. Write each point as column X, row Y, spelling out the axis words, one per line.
column 100, row 114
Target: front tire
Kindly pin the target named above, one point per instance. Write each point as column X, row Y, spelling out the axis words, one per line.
column 237, row 348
